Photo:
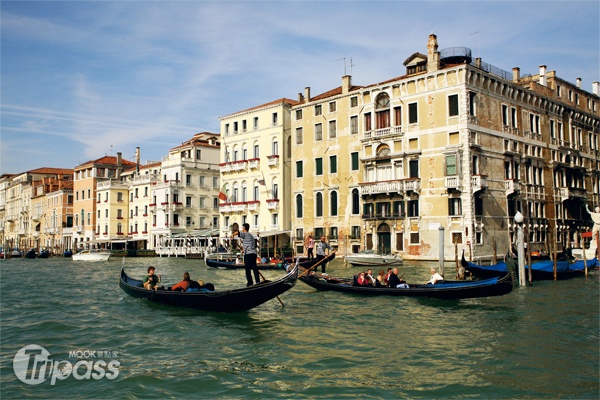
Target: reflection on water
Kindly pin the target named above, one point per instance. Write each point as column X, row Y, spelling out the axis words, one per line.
column 322, row 345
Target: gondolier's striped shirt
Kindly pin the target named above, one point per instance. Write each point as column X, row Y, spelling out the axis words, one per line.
column 248, row 242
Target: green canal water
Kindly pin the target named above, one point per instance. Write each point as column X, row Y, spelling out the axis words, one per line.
column 539, row 342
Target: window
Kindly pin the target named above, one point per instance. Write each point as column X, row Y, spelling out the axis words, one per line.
column 353, row 101
column 319, row 166
column 413, row 167
column 413, row 208
column 333, row 232
column 188, row 180
column 354, row 125
column 355, row 202
column 318, row 110
column 298, row 115
column 275, row 148
column 355, row 232
column 504, row 115
column 414, row 238
column 333, row 164
column 255, row 123
column 472, row 103
column 398, row 209
column 275, row 190
column 398, row 116
column 300, row 234
column 188, row 201
column 274, row 119
column 368, row 125
column 299, row 169
column 318, row 232
column 319, row 205
column 299, row 138
column 332, row 106
column 451, row 164
column 413, row 116
column 332, row 129
column 333, row 203
column 453, row 105
column 382, row 111
column 454, row 206
column 354, row 165
column 513, row 117
column 318, row 132
column 299, row 205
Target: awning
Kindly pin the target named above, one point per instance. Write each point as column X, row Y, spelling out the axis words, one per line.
column 273, row 233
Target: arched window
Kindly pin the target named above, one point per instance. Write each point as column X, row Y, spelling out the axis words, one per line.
column 299, row 206
column 244, row 191
column 382, row 111
column 355, row 202
column 319, row 204
column 333, row 203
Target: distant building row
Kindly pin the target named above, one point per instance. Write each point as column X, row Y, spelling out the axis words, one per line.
column 453, row 143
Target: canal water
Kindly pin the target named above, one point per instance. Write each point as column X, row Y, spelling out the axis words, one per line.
column 539, row 342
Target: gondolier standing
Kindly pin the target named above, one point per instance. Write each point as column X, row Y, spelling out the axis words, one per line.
column 321, row 247
column 249, row 244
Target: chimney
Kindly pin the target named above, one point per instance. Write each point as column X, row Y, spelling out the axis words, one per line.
column 300, row 98
column 579, row 83
column 478, row 62
column 307, row 93
column 543, row 75
column 595, row 87
column 516, row 74
column 346, row 83
column 119, row 159
column 137, row 159
column 433, row 56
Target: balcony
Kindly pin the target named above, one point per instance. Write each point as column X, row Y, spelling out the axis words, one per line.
column 387, row 187
column 533, row 192
column 273, row 160
column 11, row 217
column 253, row 206
column 240, row 206
column 273, row 204
column 566, row 193
column 254, row 163
column 35, row 234
column 50, row 231
column 479, row 182
column 383, row 216
column 511, row 186
column 177, row 205
column 453, row 182
column 36, row 216
column 233, row 166
column 412, row 185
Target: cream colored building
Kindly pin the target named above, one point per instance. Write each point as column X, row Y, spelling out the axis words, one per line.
column 256, row 171
column 453, row 148
column 184, row 201
column 57, row 223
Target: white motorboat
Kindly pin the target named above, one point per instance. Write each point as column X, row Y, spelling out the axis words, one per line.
column 368, row 258
column 91, row 255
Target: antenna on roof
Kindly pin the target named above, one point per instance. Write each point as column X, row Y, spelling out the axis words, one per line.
column 351, row 65
column 344, row 59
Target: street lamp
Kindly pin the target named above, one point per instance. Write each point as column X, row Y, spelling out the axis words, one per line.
column 520, row 248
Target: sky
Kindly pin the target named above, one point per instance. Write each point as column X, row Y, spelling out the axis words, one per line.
column 84, row 79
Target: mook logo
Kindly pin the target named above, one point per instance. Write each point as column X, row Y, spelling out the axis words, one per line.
column 33, row 365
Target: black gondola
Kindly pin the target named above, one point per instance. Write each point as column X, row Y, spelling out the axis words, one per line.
column 212, row 263
column 225, row 301
column 541, row 270
column 445, row 290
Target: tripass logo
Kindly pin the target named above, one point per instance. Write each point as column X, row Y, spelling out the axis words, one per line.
column 32, row 365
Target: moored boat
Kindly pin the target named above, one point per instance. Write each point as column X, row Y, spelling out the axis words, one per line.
column 368, row 258
column 91, row 255
column 445, row 290
column 220, row 300
column 541, row 270
column 227, row 264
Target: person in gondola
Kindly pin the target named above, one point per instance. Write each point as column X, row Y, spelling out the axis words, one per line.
column 184, row 284
column 321, row 247
column 369, row 277
column 151, row 281
column 249, row 245
column 435, row 277
column 395, row 282
column 380, row 279
column 361, row 280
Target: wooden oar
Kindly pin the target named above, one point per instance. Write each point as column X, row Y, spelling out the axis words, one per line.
column 320, row 261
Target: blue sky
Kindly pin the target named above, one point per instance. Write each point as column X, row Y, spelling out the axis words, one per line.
column 82, row 79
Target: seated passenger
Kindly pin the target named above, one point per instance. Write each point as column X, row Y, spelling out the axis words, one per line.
column 435, row 277
column 361, row 280
column 151, row 281
column 369, row 277
column 199, row 286
column 395, row 282
column 386, row 278
column 184, row 284
column 380, row 280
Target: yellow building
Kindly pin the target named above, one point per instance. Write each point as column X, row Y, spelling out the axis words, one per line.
column 449, row 152
column 58, row 220
column 256, row 171
column 86, row 177
column 326, row 170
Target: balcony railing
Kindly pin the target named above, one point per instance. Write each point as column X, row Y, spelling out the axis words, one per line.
column 273, row 160
column 479, row 182
column 367, row 188
column 233, row 166
column 511, row 186
column 273, row 204
column 453, row 182
column 412, row 184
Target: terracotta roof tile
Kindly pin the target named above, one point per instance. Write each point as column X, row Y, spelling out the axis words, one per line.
column 49, row 170
column 107, row 160
column 283, row 100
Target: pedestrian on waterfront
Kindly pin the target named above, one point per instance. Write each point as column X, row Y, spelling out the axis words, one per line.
column 151, row 280
column 249, row 245
column 435, row 277
column 310, row 245
column 184, row 284
column 321, row 247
